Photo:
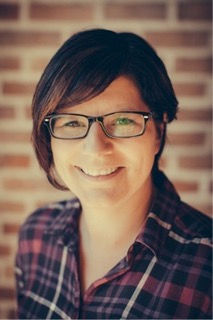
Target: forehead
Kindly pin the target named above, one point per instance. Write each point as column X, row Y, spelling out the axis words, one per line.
column 121, row 95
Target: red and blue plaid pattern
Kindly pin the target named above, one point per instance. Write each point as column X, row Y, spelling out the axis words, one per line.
column 166, row 273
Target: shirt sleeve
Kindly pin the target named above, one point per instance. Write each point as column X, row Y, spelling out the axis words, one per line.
column 20, row 280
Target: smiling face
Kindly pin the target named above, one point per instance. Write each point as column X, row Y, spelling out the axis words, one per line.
column 103, row 170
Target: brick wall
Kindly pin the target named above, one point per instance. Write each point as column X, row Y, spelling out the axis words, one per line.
column 31, row 31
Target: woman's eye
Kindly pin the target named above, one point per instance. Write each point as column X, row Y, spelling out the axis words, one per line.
column 73, row 124
column 70, row 124
column 124, row 121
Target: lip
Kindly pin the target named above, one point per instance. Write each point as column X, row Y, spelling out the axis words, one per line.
column 105, row 174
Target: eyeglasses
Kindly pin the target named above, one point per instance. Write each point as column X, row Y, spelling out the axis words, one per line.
column 127, row 124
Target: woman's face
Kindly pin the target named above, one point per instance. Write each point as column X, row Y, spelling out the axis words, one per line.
column 103, row 171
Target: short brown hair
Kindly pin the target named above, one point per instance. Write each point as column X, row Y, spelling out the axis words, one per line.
column 84, row 67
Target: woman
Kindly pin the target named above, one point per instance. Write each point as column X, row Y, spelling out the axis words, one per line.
column 125, row 246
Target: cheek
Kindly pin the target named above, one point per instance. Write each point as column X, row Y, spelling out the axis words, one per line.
column 143, row 152
column 56, row 151
column 60, row 153
column 146, row 150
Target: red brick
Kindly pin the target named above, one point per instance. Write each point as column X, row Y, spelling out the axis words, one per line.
column 11, row 228
column 39, row 63
column 178, row 38
column 4, row 250
column 12, row 314
column 7, row 112
column 28, row 112
column 8, row 63
column 163, row 162
column 187, row 138
column 189, row 89
column 7, row 293
column 205, row 208
column 203, row 65
column 19, row 88
column 196, row 162
column 8, row 206
column 195, row 115
column 16, row 161
column 53, row 11
column 195, row 10
column 18, row 136
column 29, row 38
column 183, row 186
column 24, row 184
column 135, row 10
column 9, row 272
column 9, row 11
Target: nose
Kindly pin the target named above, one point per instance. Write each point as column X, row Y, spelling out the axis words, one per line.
column 96, row 142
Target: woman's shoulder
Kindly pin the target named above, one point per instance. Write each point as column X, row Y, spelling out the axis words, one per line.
column 49, row 216
column 192, row 223
column 187, row 222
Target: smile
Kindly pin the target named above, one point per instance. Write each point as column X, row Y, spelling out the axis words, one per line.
column 100, row 172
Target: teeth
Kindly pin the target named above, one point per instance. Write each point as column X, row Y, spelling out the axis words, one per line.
column 103, row 172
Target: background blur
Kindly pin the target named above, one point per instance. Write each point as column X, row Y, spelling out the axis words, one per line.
column 31, row 32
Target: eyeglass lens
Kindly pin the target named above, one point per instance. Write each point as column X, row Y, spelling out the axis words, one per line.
column 69, row 126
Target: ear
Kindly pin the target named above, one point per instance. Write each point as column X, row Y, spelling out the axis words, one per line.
column 160, row 132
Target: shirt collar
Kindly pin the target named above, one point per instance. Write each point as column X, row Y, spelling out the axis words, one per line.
column 161, row 216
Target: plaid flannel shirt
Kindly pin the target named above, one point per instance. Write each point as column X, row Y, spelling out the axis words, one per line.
column 166, row 273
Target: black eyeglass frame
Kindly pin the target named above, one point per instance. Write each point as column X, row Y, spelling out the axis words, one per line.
column 100, row 119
